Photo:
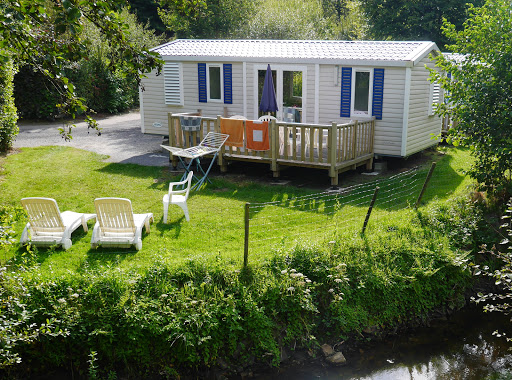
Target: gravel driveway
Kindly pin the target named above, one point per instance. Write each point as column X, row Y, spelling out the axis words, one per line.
column 121, row 139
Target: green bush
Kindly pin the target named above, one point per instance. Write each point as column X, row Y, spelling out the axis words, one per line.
column 43, row 99
column 170, row 319
column 8, row 116
column 103, row 90
column 462, row 220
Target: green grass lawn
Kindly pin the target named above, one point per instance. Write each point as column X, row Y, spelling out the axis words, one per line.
column 216, row 228
column 182, row 302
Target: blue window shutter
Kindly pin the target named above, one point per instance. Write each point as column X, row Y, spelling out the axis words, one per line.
column 346, row 88
column 201, row 76
column 378, row 93
column 228, row 83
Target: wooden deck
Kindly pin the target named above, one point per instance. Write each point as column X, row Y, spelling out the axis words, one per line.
column 335, row 148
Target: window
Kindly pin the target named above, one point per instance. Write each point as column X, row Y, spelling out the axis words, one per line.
column 361, row 93
column 173, row 89
column 214, row 81
column 435, row 97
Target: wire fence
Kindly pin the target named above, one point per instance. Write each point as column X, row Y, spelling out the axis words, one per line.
column 323, row 216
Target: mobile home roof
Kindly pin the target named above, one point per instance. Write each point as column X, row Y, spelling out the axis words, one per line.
column 383, row 53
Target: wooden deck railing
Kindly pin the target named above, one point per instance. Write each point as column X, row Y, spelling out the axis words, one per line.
column 335, row 147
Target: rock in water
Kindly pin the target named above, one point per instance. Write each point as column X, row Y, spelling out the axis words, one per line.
column 327, row 350
column 337, row 359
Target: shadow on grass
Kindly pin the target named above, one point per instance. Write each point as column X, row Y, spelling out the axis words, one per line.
column 162, row 174
column 173, row 227
column 97, row 258
column 394, row 194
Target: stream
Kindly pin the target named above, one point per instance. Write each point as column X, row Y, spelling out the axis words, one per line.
column 461, row 346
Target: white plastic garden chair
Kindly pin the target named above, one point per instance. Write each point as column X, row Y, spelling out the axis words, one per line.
column 48, row 226
column 117, row 225
column 178, row 197
column 283, row 133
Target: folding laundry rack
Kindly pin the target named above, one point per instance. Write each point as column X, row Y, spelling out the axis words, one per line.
column 211, row 144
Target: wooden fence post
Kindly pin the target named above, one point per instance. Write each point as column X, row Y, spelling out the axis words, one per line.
column 427, row 180
column 370, row 210
column 246, row 240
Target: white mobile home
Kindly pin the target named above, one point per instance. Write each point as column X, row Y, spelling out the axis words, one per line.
column 317, row 82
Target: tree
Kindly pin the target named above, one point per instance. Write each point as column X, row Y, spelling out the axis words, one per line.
column 294, row 19
column 46, row 34
column 147, row 12
column 205, row 18
column 414, row 19
column 479, row 89
column 305, row 19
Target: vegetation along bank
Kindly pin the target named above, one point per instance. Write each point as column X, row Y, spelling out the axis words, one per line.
column 156, row 313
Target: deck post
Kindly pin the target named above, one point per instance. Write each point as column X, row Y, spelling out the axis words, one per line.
column 354, row 141
column 331, row 152
column 172, row 138
column 369, row 164
column 274, row 148
column 222, row 162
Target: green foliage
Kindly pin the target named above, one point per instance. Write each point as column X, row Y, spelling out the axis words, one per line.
column 147, row 12
column 180, row 304
column 8, row 116
column 101, row 88
column 47, row 35
column 8, row 216
column 396, row 275
column 479, row 95
column 192, row 314
column 42, row 104
column 346, row 19
column 502, row 276
column 17, row 325
column 311, row 19
column 414, row 20
column 461, row 220
column 205, row 18
column 288, row 20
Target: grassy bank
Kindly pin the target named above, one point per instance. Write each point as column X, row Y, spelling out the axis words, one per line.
column 183, row 303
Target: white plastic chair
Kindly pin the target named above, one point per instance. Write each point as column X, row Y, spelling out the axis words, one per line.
column 282, row 134
column 48, row 226
column 266, row 118
column 178, row 197
column 117, row 225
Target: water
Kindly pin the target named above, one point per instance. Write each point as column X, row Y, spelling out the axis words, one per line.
column 461, row 347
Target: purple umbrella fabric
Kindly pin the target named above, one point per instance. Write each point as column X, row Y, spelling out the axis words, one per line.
column 268, row 97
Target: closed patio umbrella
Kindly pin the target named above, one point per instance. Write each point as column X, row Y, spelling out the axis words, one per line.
column 268, row 97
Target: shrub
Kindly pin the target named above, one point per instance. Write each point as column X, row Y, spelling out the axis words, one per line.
column 171, row 319
column 43, row 99
column 8, row 117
